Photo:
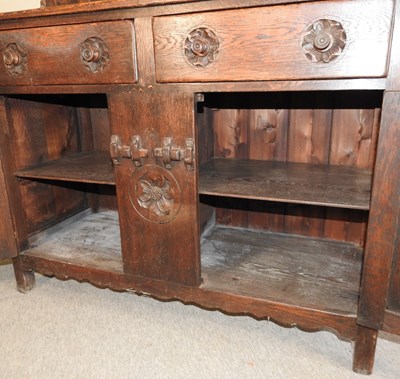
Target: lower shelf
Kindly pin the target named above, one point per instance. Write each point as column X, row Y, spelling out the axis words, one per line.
column 310, row 273
column 302, row 271
column 86, row 239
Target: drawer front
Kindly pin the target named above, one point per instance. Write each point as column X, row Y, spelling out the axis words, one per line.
column 332, row 39
column 97, row 53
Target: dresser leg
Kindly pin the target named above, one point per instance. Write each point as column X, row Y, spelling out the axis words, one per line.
column 25, row 279
column 364, row 350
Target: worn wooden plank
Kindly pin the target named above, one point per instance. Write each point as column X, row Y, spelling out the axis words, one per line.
column 303, row 271
column 325, row 185
column 86, row 239
column 92, row 167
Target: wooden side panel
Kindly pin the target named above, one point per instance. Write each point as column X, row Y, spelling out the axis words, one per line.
column 394, row 288
column 382, row 241
column 8, row 246
column 157, row 206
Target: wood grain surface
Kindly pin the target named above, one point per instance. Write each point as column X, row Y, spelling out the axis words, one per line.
column 324, row 185
column 265, row 43
column 53, row 54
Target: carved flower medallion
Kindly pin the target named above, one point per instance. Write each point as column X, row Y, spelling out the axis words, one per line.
column 15, row 59
column 156, row 197
column 155, row 194
column 201, row 47
column 324, row 41
column 94, row 54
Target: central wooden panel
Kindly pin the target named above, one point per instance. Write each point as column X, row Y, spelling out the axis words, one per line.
column 157, row 204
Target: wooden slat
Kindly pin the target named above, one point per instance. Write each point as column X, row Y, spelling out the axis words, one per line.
column 334, row 186
column 268, row 129
column 231, row 141
column 308, row 142
column 308, row 272
column 92, row 167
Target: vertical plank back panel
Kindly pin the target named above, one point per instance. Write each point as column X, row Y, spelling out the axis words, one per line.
column 303, row 127
column 353, row 133
column 231, row 141
column 308, row 142
column 268, row 130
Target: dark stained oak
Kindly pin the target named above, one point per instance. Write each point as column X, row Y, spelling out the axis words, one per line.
column 283, row 157
column 307, row 272
column 7, row 241
column 382, row 234
column 247, row 51
column 56, row 59
column 335, row 186
column 91, row 167
column 169, row 209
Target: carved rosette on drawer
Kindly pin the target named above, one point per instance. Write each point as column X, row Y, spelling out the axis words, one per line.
column 201, row 47
column 15, row 59
column 324, row 41
column 155, row 194
column 94, row 54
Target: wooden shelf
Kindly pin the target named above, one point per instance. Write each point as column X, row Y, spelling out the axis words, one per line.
column 301, row 271
column 86, row 239
column 311, row 273
column 300, row 183
column 92, row 167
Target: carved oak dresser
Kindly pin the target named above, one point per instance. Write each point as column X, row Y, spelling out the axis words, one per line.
column 237, row 155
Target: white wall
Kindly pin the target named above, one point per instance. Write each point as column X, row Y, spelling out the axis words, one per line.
column 17, row 5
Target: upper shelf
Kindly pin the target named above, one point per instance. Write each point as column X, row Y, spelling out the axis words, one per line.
column 300, row 183
column 93, row 167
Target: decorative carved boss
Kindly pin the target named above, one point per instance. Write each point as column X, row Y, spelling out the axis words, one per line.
column 324, row 40
column 15, row 59
column 94, row 54
column 201, row 47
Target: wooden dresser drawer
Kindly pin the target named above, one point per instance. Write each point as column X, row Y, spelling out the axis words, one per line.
column 332, row 39
column 96, row 53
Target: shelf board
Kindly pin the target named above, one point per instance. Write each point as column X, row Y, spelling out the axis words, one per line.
column 308, row 273
column 86, row 239
column 299, row 183
column 92, row 167
column 301, row 271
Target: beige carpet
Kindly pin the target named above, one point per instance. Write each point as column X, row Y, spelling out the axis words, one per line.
column 73, row 330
